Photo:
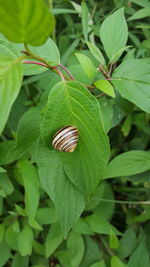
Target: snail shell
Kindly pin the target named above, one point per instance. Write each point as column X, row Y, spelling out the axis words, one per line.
column 66, row 139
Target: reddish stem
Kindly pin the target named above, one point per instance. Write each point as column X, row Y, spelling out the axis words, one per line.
column 66, row 70
column 59, row 73
column 35, row 62
column 44, row 65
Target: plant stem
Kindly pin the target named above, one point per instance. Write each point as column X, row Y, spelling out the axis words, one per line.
column 147, row 202
column 110, row 70
column 44, row 63
column 59, row 73
column 67, row 71
column 110, row 252
column 101, row 69
column 34, row 62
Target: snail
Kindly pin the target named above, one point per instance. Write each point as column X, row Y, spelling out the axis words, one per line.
column 66, row 139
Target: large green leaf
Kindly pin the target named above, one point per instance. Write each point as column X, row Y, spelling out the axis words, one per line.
column 85, row 166
column 57, row 185
column 10, row 79
column 26, row 21
column 114, row 33
column 132, row 80
column 128, row 163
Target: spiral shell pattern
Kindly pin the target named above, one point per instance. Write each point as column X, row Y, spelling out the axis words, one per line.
column 66, row 139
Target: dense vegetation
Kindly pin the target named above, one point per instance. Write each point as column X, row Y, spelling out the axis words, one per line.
column 85, row 64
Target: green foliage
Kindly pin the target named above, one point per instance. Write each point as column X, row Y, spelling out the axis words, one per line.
column 111, row 34
column 21, row 25
column 11, row 78
column 89, row 207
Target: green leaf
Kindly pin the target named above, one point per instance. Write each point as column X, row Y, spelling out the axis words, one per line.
column 128, row 163
column 126, row 126
column 64, row 256
column 11, row 236
column 104, row 209
column 76, row 243
column 53, row 239
column 2, row 231
column 111, row 33
column 98, row 264
column 85, row 166
column 6, row 186
column 113, row 240
column 2, row 170
column 116, row 262
column 140, row 14
column 57, row 185
column 5, row 156
column 25, row 241
column 132, row 81
column 96, row 53
column 28, row 132
column 107, row 112
column 140, row 256
column 11, row 71
column 46, row 215
column 31, row 184
column 92, row 252
column 82, row 227
column 21, row 25
column 143, row 3
column 127, row 243
column 118, row 54
column 100, row 225
column 18, row 260
column 5, row 253
column 85, row 18
column 87, row 65
column 105, row 86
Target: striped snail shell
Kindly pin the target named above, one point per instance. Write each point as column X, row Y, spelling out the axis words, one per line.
column 66, row 139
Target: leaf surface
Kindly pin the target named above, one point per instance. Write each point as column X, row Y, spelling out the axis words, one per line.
column 132, row 81
column 21, row 25
column 111, row 33
column 11, row 71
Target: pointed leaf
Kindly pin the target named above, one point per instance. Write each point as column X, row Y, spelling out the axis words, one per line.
column 87, row 65
column 11, row 71
column 128, row 163
column 96, row 53
column 84, row 16
column 111, row 33
column 140, row 14
column 105, row 86
column 132, row 81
